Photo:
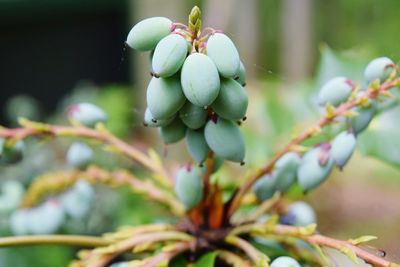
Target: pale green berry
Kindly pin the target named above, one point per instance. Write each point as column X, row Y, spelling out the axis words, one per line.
column 284, row 261
column 335, row 91
column 150, row 121
column 173, row 132
column 189, row 186
column 379, row 68
column 87, row 114
column 79, row 155
column 164, row 97
column 264, row 188
column 200, row 80
column 314, row 168
column 225, row 139
column 232, row 101
column 223, row 52
column 343, row 147
column 169, row 55
column 147, row 33
column 193, row 116
column 286, row 171
column 197, row 145
column 363, row 118
column 299, row 214
column 241, row 77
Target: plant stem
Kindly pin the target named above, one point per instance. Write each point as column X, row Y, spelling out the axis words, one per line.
column 38, row 129
column 370, row 93
column 69, row 240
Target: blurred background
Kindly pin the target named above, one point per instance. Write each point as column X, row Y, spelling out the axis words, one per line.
column 54, row 53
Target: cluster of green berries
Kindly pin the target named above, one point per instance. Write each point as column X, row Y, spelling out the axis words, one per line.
column 48, row 217
column 197, row 89
column 313, row 167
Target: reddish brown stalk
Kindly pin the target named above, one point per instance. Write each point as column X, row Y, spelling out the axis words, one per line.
column 370, row 93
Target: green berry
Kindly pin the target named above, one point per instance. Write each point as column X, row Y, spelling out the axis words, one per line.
column 284, row 261
column 145, row 35
column 241, row 77
column 79, row 155
column 151, row 122
column 343, row 147
column 86, row 114
column 314, row 167
column 364, row 116
column 197, row 145
column 169, row 55
column 232, row 101
column 335, row 91
column 264, row 188
column 173, row 132
column 286, row 171
column 46, row 218
column 193, row 116
column 223, row 52
column 379, row 68
column 299, row 214
column 225, row 139
column 164, row 97
column 200, row 80
column 19, row 222
column 189, row 186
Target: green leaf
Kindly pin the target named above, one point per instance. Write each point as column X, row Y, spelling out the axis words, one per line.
column 207, row 260
column 383, row 144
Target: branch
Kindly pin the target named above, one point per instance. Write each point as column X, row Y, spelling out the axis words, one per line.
column 166, row 256
column 69, row 240
column 50, row 184
column 258, row 258
column 100, row 257
column 306, row 234
column 342, row 110
column 30, row 128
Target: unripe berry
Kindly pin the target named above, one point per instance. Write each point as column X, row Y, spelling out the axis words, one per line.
column 200, row 80
column 189, row 186
column 284, row 261
column 46, row 218
column 79, row 155
column 193, row 116
column 315, row 167
column 169, row 55
column 164, row 97
column 343, row 147
column 173, row 132
column 10, row 198
column 241, row 77
column 147, row 33
column 223, row 52
column 232, row 100
column 286, row 171
column 364, row 116
column 197, row 145
column 299, row 214
column 150, row 121
column 264, row 188
column 11, row 153
column 86, row 114
column 335, row 91
column 76, row 201
column 19, row 222
column 225, row 139
column 379, row 68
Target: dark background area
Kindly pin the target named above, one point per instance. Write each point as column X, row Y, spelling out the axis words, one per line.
column 48, row 46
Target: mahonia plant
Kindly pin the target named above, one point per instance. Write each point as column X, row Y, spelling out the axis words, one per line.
column 197, row 92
